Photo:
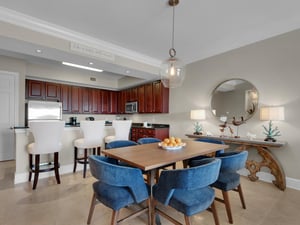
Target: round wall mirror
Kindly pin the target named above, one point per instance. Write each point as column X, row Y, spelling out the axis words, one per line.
column 234, row 99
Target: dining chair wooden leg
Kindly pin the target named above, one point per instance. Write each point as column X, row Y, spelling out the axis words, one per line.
column 36, row 171
column 214, row 212
column 92, row 207
column 56, row 167
column 239, row 190
column 187, row 220
column 227, row 206
column 75, row 159
column 114, row 217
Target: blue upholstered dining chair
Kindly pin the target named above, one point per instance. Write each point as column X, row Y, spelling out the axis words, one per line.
column 187, row 190
column 208, row 140
column 117, row 187
column 148, row 140
column 120, row 144
column 229, row 179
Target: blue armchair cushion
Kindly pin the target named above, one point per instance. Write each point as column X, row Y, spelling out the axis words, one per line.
column 187, row 190
column 231, row 162
column 117, row 186
column 191, row 202
column 112, row 196
column 227, row 181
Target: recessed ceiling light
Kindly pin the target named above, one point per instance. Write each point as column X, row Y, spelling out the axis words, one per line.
column 127, row 71
column 38, row 51
column 91, row 63
column 82, row 67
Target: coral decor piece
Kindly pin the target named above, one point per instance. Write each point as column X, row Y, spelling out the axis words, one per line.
column 271, row 132
column 198, row 128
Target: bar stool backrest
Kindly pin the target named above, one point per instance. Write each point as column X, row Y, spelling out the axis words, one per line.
column 47, row 136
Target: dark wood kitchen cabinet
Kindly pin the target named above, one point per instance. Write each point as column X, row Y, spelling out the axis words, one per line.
column 65, row 96
column 76, row 99
column 109, row 102
column 96, row 101
column 160, row 97
column 35, row 89
column 148, row 98
column 41, row 90
column 121, row 101
column 86, row 100
column 141, row 99
column 141, row 132
column 52, row 91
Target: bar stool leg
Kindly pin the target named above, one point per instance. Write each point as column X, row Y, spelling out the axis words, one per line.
column 36, row 171
column 85, row 161
column 30, row 167
column 56, row 167
column 75, row 159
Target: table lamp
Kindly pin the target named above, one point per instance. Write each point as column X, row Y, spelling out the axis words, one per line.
column 198, row 114
column 271, row 114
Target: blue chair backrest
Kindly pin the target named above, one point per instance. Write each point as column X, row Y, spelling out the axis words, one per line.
column 120, row 144
column 233, row 161
column 213, row 141
column 106, row 171
column 148, row 140
column 190, row 178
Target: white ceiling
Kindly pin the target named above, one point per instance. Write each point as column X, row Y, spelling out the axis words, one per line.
column 141, row 29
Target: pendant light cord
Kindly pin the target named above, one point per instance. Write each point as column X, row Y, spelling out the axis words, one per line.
column 172, row 51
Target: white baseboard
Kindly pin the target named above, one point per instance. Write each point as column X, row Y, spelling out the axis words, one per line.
column 267, row 177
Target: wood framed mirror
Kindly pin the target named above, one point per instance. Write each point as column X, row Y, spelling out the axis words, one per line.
column 234, row 98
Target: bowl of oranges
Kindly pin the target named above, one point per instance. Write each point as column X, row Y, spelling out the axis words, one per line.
column 172, row 143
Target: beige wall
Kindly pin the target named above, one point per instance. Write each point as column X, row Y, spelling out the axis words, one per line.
column 271, row 65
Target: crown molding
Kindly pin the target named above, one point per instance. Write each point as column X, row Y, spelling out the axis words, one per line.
column 32, row 23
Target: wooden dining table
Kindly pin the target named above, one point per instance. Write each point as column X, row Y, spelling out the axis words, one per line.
column 151, row 157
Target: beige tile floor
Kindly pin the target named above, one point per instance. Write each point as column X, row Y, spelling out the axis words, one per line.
column 68, row 203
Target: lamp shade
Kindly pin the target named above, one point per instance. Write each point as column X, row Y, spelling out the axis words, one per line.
column 272, row 113
column 198, row 114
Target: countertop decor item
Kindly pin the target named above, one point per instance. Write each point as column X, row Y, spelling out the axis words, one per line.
column 271, row 114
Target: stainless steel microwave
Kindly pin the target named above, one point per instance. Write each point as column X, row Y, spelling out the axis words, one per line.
column 131, row 107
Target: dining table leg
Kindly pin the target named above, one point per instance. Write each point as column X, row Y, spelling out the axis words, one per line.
column 151, row 182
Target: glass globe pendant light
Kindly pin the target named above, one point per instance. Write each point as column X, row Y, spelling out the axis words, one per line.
column 172, row 70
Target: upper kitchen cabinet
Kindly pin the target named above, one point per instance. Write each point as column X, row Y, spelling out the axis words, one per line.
column 52, row 91
column 96, row 101
column 65, row 96
column 109, row 102
column 141, row 99
column 121, row 101
column 160, row 97
column 76, row 99
column 41, row 90
column 35, row 89
column 156, row 98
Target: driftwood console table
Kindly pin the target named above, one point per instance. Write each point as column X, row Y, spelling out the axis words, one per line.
column 262, row 147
